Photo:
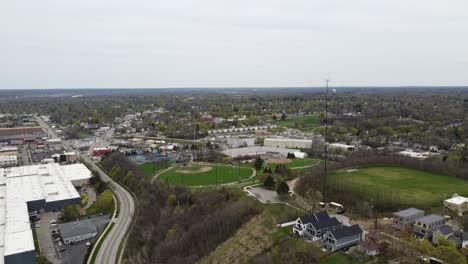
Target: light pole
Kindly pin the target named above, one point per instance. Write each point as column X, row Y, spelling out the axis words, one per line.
column 326, row 139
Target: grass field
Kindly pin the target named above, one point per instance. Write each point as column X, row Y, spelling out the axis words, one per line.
column 337, row 258
column 304, row 123
column 151, row 168
column 218, row 174
column 295, row 163
column 413, row 187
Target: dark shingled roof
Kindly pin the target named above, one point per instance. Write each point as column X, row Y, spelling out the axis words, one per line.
column 320, row 220
column 445, row 229
column 346, row 231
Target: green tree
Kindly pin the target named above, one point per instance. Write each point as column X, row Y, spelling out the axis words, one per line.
column 71, row 212
column 258, row 164
column 283, row 116
column 115, row 171
column 283, row 188
column 130, row 175
column 105, row 204
column 172, row 198
column 269, row 181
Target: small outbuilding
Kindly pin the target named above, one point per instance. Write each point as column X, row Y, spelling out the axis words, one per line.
column 74, row 232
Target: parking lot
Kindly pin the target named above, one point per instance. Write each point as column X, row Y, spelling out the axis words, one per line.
column 52, row 246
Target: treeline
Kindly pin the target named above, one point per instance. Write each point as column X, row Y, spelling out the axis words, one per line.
column 174, row 224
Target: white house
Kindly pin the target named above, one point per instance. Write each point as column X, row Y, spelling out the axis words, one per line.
column 457, row 204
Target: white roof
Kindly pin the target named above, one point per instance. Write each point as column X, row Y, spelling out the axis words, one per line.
column 76, row 171
column 288, row 140
column 457, row 200
column 19, row 185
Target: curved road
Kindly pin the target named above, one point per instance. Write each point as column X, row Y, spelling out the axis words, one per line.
column 109, row 250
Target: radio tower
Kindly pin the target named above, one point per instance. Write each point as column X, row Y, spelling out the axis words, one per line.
column 326, row 139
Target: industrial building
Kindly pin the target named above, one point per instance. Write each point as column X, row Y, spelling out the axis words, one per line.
column 257, row 151
column 288, row 143
column 8, row 156
column 74, row 232
column 44, row 187
column 236, row 142
column 19, row 135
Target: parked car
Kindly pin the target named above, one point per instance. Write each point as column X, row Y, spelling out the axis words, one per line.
column 53, row 221
column 53, row 225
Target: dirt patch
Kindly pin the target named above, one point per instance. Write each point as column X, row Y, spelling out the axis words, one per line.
column 251, row 239
column 279, row 161
column 193, row 170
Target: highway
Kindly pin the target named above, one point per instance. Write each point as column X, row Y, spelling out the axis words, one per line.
column 109, row 250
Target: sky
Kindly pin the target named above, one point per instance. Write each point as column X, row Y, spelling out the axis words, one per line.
column 238, row 43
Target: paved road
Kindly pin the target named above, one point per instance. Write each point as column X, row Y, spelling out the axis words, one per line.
column 108, row 252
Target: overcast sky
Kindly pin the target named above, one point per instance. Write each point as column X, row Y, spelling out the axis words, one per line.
column 216, row 43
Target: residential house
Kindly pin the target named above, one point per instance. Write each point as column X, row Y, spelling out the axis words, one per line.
column 342, row 238
column 457, row 204
column 373, row 245
column 405, row 218
column 425, row 225
column 442, row 231
column 313, row 226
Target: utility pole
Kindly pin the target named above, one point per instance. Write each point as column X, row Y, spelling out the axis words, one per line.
column 326, row 140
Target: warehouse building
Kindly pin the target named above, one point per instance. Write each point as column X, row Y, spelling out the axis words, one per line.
column 288, row 143
column 256, row 151
column 8, row 156
column 74, row 232
column 19, row 135
column 44, row 187
column 236, row 142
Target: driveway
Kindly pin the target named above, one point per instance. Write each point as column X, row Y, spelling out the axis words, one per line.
column 343, row 219
column 45, row 238
column 264, row 195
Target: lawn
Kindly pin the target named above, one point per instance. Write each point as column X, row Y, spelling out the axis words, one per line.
column 217, row 174
column 337, row 258
column 411, row 187
column 151, row 168
column 296, row 163
column 304, row 123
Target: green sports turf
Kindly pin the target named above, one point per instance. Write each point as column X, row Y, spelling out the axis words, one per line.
column 305, row 123
column 151, row 168
column 413, row 187
column 219, row 174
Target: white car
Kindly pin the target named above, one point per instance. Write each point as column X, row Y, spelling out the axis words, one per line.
column 53, row 221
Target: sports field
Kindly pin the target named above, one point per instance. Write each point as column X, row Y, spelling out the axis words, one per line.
column 151, row 168
column 304, row 123
column 411, row 187
column 291, row 163
column 196, row 175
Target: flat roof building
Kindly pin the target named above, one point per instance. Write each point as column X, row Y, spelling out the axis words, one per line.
column 73, row 232
column 457, row 204
column 31, row 188
column 288, row 143
column 256, row 151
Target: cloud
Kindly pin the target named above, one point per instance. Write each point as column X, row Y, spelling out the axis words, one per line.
column 64, row 44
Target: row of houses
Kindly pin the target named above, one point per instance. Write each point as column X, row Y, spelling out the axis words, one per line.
column 432, row 226
column 330, row 232
column 240, row 129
